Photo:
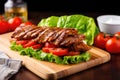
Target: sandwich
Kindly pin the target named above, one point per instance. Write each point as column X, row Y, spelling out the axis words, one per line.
column 53, row 44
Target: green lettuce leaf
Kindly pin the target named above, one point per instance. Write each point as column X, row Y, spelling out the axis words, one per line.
column 84, row 24
column 15, row 47
column 51, row 21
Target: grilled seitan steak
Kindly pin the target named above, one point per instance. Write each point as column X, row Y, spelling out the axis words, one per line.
column 62, row 37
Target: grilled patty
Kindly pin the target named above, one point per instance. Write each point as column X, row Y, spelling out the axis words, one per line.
column 62, row 37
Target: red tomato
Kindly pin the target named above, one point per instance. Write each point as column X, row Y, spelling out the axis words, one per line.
column 101, row 39
column 117, row 34
column 14, row 22
column 26, row 23
column 49, row 45
column 3, row 26
column 30, row 43
column 59, row 51
column 36, row 46
column 46, row 49
column 113, row 45
column 22, row 42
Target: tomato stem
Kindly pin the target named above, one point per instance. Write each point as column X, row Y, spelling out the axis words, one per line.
column 107, row 35
column 117, row 37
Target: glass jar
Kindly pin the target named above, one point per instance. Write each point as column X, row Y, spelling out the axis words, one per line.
column 16, row 8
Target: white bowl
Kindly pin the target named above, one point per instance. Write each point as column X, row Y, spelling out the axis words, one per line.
column 109, row 23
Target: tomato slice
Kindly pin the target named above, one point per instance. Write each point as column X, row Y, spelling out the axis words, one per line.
column 30, row 43
column 36, row 46
column 22, row 42
column 59, row 51
column 46, row 49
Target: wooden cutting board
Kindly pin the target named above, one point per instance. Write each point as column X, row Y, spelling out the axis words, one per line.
column 47, row 70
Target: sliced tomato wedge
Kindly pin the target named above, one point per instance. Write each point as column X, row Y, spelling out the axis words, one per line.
column 46, row 49
column 30, row 43
column 22, row 42
column 59, row 51
column 36, row 46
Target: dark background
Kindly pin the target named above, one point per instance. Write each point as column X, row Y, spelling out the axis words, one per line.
column 110, row 6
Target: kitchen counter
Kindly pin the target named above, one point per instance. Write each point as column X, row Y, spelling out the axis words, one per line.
column 106, row 71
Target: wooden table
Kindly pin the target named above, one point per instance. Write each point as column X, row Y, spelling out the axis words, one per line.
column 106, row 71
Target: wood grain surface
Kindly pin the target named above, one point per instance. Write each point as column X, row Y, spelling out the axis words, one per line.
column 47, row 70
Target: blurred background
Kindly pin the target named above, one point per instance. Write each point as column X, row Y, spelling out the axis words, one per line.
column 79, row 6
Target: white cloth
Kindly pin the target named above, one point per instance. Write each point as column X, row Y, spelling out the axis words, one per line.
column 8, row 67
